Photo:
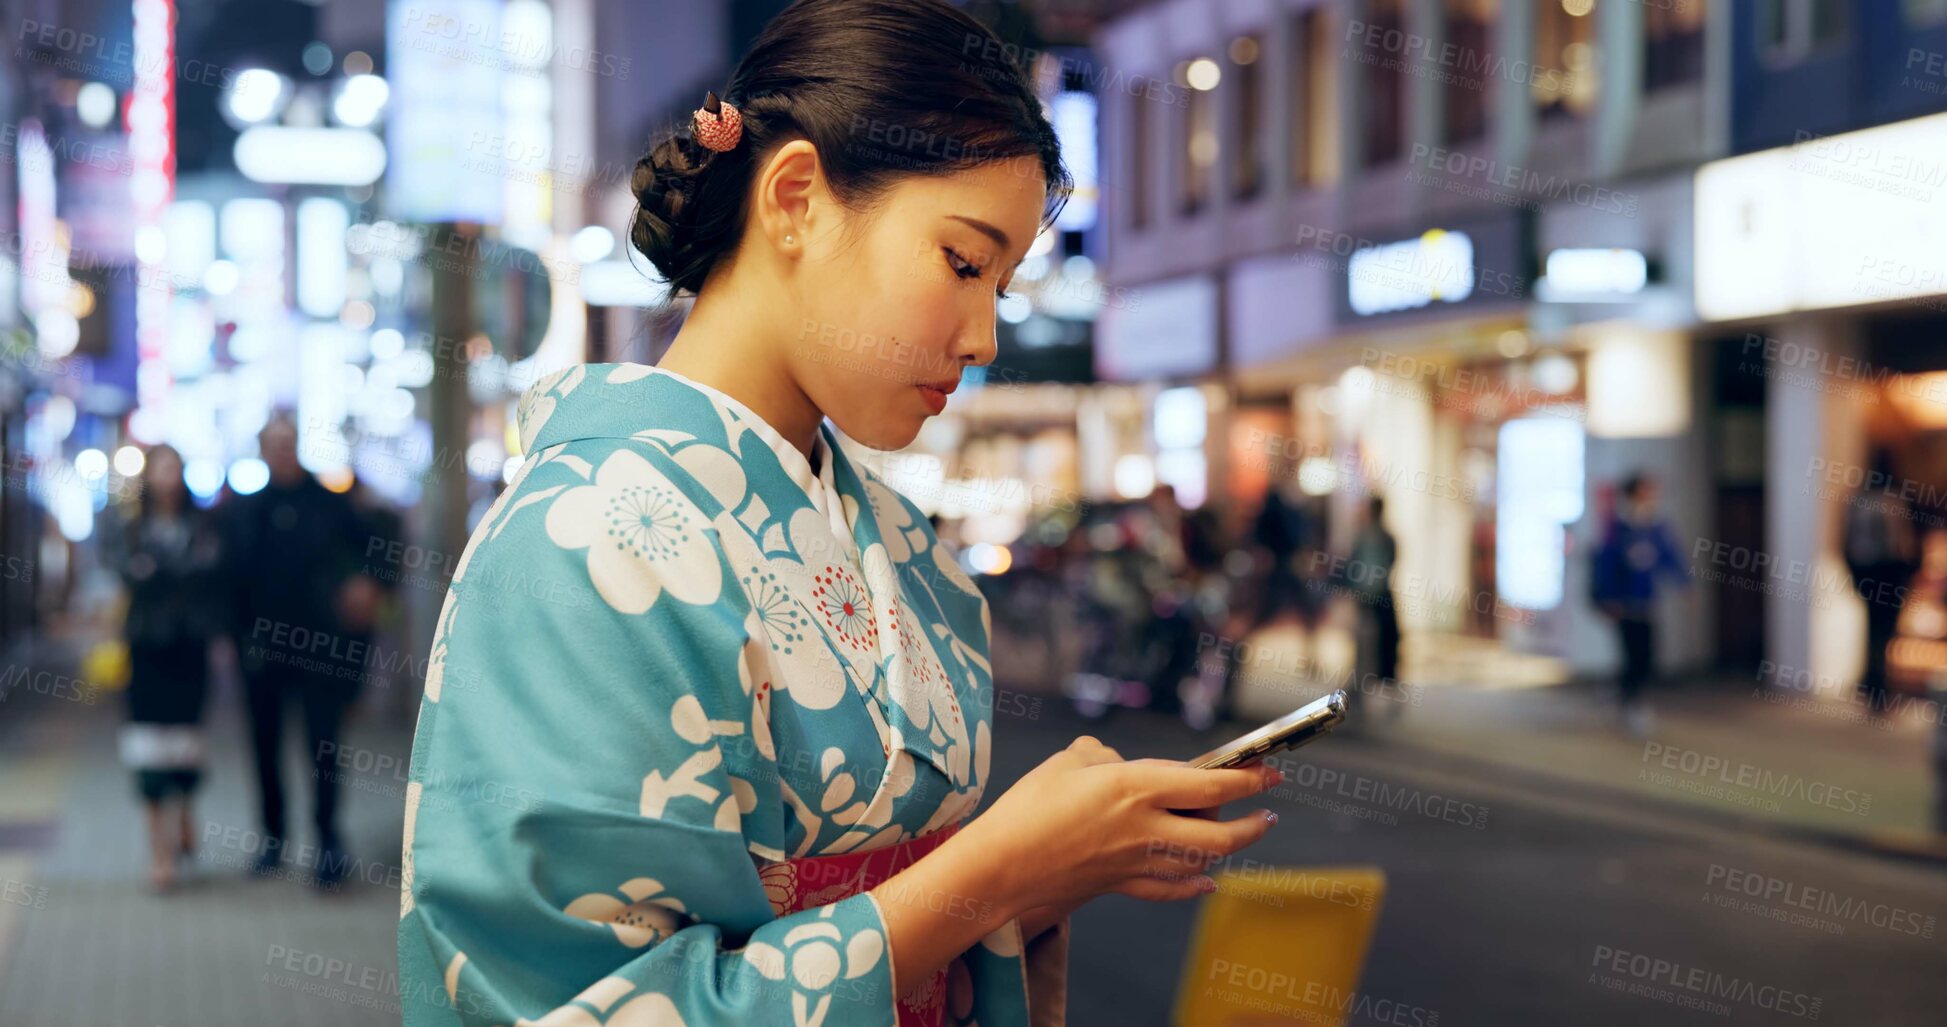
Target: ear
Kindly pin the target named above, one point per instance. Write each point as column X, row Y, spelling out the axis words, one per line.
column 790, row 192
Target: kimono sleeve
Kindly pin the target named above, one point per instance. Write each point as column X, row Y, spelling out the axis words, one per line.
column 578, row 847
column 1046, row 966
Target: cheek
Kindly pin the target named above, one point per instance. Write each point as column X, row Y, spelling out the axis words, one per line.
column 893, row 336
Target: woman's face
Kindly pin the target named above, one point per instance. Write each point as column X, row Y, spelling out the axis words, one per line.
column 895, row 310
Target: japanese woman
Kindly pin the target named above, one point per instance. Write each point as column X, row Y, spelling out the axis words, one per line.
column 708, row 712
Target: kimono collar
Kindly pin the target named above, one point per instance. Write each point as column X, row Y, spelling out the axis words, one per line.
column 652, row 405
column 624, row 400
column 835, row 480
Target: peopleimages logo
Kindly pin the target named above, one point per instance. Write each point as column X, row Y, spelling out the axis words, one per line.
column 1368, row 798
column 1309, row 1000
column 1743, row 775
column 1820, row 901
column 1524, row 181
column 1697, row 984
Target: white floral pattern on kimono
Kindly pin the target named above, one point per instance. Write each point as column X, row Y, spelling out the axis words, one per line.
column 673, row 654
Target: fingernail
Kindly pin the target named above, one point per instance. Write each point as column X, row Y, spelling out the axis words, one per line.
column 1206, row 885
column 1270, row 817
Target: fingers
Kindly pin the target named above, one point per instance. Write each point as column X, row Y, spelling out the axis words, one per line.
column 1193, row 846
column 1173, row 865
column 1174, row 786
column 1157, row 889
column 1219, row 837
column 1092, row 751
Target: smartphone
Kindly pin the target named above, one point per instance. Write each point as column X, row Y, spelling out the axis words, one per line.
column 1302, row 726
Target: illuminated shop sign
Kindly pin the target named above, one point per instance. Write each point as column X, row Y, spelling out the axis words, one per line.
column 1173, row 333
column 1538, row 490
column 1479, row 262
column 1830, row 221
column 1583, row 275
column 1073, row 116
column 449, row 160
column 1438, row 267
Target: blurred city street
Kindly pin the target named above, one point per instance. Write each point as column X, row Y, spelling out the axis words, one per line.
column 1563, row 382
column 91, row 944
column 1501, row 924
column 1491, row 924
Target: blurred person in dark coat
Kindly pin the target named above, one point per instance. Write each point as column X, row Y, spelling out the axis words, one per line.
column 303, row 618
column 1883, row 554
column 1374, row 552
column 166, row 552
column 1637, row 552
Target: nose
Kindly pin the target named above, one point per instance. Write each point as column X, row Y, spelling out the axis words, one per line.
column 975, row 345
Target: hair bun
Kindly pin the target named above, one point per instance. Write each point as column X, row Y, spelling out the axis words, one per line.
column 665, row 183
column 882, row 89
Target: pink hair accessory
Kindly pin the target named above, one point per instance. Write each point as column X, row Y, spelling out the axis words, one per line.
column 717, row 124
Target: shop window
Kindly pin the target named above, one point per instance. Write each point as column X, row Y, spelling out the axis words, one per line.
column 1197, row 150
column 1673, row 44
column 1383, row 53
column 1247, row 170
column 1469, row 27
column 1140, row 112
column 1314, row 109
column 1565, row 74
column 1792, row 30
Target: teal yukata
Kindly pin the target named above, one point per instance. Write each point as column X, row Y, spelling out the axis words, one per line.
column 674, row 656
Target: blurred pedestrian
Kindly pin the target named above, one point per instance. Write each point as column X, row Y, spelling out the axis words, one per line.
column 302, row 621
column 1636, row 552
column 166, row 552
column 1374, row 552
column 1882, row 554
column 1169, row 583
column 1162, row 538
column 1280, row 533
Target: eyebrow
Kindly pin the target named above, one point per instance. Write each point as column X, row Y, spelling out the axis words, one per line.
column 985, row 229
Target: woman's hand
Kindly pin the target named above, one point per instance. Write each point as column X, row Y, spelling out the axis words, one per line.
column 1087, row 822
column 1082, row 823
column 1038, row 920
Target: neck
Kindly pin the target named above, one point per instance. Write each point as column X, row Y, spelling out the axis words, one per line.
column 738, row 349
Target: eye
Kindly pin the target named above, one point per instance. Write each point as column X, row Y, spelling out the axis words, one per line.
column 965, row 268
column 961, row 266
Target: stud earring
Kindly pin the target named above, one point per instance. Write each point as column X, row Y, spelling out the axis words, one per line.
column 790, row 238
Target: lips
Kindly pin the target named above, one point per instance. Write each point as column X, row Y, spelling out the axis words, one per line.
column 935, row 394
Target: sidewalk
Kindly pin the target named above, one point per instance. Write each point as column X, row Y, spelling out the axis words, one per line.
column 1781, row 761
column 83, row 942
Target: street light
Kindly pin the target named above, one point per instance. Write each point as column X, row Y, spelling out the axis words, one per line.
column 95, row 103
column 255, row 95
column 360, row 99
column 591, row 244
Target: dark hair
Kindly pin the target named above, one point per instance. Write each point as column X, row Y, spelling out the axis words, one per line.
column 882, row 88
column 1634, row 485
column 145, row 499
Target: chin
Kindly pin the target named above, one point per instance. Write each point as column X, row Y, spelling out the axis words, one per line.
column 882, row 434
